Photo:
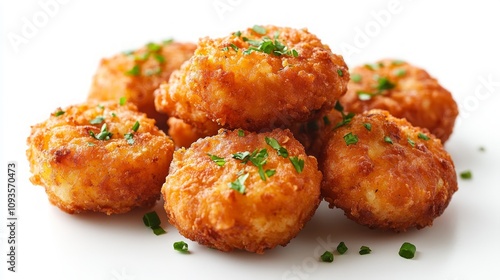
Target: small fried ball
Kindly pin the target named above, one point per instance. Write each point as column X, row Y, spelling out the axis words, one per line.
column 385, row 173
column 242, row 190
column 260, row 78
column 404, row 90
column 99, row 157
column 137, row 74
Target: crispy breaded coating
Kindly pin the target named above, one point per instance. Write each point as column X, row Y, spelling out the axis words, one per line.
column 385, row 173
column 184, row 134
column 137, row 74
column 99, row 157
column 233, row 190
column 260, row 78
column 404, row 90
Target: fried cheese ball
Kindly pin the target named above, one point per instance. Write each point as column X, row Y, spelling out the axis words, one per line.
column 233, row 190
column 259, row 78
column 137, row 74
column 99, row 157
column 184, row 134
column 404, row 90
column 387, row 174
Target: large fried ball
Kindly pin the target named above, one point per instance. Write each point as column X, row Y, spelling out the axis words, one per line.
column 135, row 75
column 262, row 77
column 99, row 157
column 234, row 191
column 404, row 90
column 385, row 173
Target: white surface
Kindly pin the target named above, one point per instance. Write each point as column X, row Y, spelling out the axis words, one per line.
column 457, row 42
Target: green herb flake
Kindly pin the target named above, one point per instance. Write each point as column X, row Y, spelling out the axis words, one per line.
column 129, row 137
column 243, row 156
column 134, row 71
column 384, row 84
column 411, row 142
column 136, row 126
column 340, row 72
column 327, row 257
column 237, row 33
column 239, row 184
column 297, row 163
column 346, row 118
column 225, row 49
column 356, row 77
column 113, row 114
column 368, row 126
column 466, row 175
column 407, row 250
column 259, row 29
column 104, row 134
column 160, row 58
column 158, row 230
column 388, row 139
column 350, row 139
column 153, row 47
column 423, row 136
column 151, row 219
column 364, row 250
column 234, row 47
column 270, row 172
column 397, row 62
column 241, row 133
column 97, row 120
column 181, row 246
column 59, row 113
column 218, row 160
column 275, row 145
column 400, row 72
column 341, row 248
column 123, row 100
column 364, row 96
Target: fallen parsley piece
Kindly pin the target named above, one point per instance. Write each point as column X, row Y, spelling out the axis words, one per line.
column 341, row 248
column 407, row 250
column 466, row 175
column 181, row 246
column 152, row 221
column 364, row 250
column 327, row 257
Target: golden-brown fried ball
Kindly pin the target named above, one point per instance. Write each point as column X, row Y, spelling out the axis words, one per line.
column 99, row 157
column 184, row 134
column 137, row 74
column 233, row 190
column 260, row 78
column 404, row 90
column 385, row 173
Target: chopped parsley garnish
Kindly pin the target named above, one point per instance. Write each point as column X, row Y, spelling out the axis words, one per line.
column 327, row 257
column 356, row 77
column 152, row 221
column 237, row 33
column 123, row 100
column 297, row 163
column 407, row 250
column 340, row 72
column 181, row 246
column 341, row 248
column 384, row 84
column 423, row 136
column 400, row 72
column 350, row 139
column 346, row 118
column 130, row 136
column 239, row 184
column 234, row 47
column 411, row 142
column 270, row 172
column 104, row 134
column 241, row 133
column 364, row 250
column 388, row 139
column 243, row 156
column 259, row 29
column 466, row 175
column 97, row 120
column 368, row 126
column 269, row 46
column 397, row 62
column 374, row 66
column 134, row 71
column 136, row 126
column 153, row 47
column 158, row 57
column 275, row 145
column 59, row 113
column 218, row 160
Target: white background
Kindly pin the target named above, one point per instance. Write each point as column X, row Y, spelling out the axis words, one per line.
column 51, row 65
